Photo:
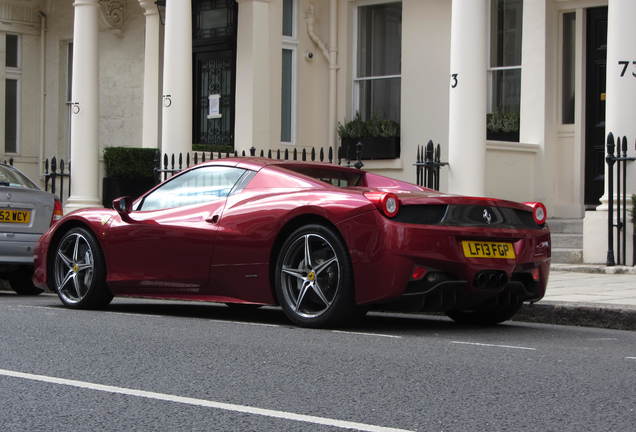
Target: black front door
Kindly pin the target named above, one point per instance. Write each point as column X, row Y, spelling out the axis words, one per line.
column 214, row 68
column 596, row 48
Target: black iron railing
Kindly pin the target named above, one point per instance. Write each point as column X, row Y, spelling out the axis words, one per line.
column 170, row 164
column 618, row 224
column 56, row 175
column 428, row 164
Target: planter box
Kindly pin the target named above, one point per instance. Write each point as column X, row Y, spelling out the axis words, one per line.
column 502, row 136
column 115, row 187
column 372, row 148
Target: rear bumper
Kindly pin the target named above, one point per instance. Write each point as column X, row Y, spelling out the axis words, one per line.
column 384, row 254
column 17, row 248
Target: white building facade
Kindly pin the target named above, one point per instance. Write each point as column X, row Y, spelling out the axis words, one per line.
column 521, row 94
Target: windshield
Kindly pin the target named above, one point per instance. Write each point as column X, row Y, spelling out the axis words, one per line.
column 334, row 177
column 14, row 178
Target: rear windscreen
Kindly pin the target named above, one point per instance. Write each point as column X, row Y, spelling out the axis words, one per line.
column 333, row 177
column 14, row 178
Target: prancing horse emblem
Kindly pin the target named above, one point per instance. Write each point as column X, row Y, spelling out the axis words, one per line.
column 487, row 216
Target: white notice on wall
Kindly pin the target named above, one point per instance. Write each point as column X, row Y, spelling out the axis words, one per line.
column 214, row 106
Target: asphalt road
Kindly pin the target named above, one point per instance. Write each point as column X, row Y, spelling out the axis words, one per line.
column 173, row 366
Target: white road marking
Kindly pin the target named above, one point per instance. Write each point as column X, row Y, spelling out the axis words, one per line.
column 246, row 323
column 61, row 309
column 367, row 334
column 603, row 339
column 630, row 358
column 343, row 424
column 493, row 345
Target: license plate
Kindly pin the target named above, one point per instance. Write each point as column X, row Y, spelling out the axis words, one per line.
column 15, row 216
column 486, row 249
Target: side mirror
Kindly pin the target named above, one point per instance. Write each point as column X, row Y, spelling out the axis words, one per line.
column 123, row 205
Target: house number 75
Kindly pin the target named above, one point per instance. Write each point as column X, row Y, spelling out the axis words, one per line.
column 625, row 65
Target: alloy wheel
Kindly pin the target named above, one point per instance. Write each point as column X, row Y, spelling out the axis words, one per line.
column 310, row 275
column 74, row 268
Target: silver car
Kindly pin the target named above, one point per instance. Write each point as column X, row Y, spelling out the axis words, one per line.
column 26, row 212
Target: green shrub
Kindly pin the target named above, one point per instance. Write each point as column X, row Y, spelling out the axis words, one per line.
column 374, row 127
column 129, row 162
column 502, row 121
column 215, row 148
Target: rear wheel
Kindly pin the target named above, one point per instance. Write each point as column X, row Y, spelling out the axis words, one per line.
column 78, row 271
column 21, row 283
column 486, row 316
column 313, row 278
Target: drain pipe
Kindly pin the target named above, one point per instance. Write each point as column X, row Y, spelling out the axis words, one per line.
column 331, row 55
column 42, row 88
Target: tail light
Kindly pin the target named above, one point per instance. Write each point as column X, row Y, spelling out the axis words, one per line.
column 57, row 212
column 388, row 203
column 418, row 273
column 539, row 212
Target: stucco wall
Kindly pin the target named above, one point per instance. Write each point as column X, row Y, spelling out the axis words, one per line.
column 121, row 85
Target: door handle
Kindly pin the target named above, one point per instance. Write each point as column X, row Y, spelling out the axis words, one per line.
column 212, row 219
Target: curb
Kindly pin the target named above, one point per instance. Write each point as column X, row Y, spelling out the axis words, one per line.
column 593, row 268
column 578, row 314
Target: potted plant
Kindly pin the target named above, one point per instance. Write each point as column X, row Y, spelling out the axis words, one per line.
column 380, row 138
column 502, row 126
column 129, row 171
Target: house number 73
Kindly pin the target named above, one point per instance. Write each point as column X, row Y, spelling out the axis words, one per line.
column 625, row 64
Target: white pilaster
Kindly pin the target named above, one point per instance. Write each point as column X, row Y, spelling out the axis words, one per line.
column 468, row 92
column 150, row 128
column 176, row 136
column 620, row 107
column 84, row 120
column 252, row 124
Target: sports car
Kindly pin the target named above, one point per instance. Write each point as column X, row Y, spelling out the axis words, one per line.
column 326, row 243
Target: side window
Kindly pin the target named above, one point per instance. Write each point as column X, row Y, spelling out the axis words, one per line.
column 194, row 187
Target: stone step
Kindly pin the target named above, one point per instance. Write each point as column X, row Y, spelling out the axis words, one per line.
column 566, row 226
column 567, row 241
column 567, row 256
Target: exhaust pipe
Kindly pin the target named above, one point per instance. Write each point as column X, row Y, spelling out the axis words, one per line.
column 490, row 279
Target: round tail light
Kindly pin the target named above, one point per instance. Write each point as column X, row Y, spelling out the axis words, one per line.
column 388, row 203
column 539, row 212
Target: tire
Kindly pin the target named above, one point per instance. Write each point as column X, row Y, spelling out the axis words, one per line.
column 486, row 316
column 318, row 293
column 21, row 283
column 77, row 271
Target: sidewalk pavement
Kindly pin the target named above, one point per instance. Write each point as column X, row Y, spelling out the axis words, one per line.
column 587, row 295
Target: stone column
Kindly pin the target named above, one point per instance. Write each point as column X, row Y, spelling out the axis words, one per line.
column 176, row 134
column 85, row 109
column 150, row 128
column 253, row 64
column 620, row 107
column 468, row 92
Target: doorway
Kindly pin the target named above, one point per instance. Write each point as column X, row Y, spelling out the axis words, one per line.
column 596, row 63
column 214, row 68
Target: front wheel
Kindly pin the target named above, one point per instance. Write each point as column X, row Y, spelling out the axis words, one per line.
column 486, row 316
column 78, row 271
column 313, row 278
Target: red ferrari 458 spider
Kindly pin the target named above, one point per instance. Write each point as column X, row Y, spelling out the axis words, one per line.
column 326, row 243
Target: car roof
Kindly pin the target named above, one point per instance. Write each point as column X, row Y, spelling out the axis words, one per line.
column 257, row 163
